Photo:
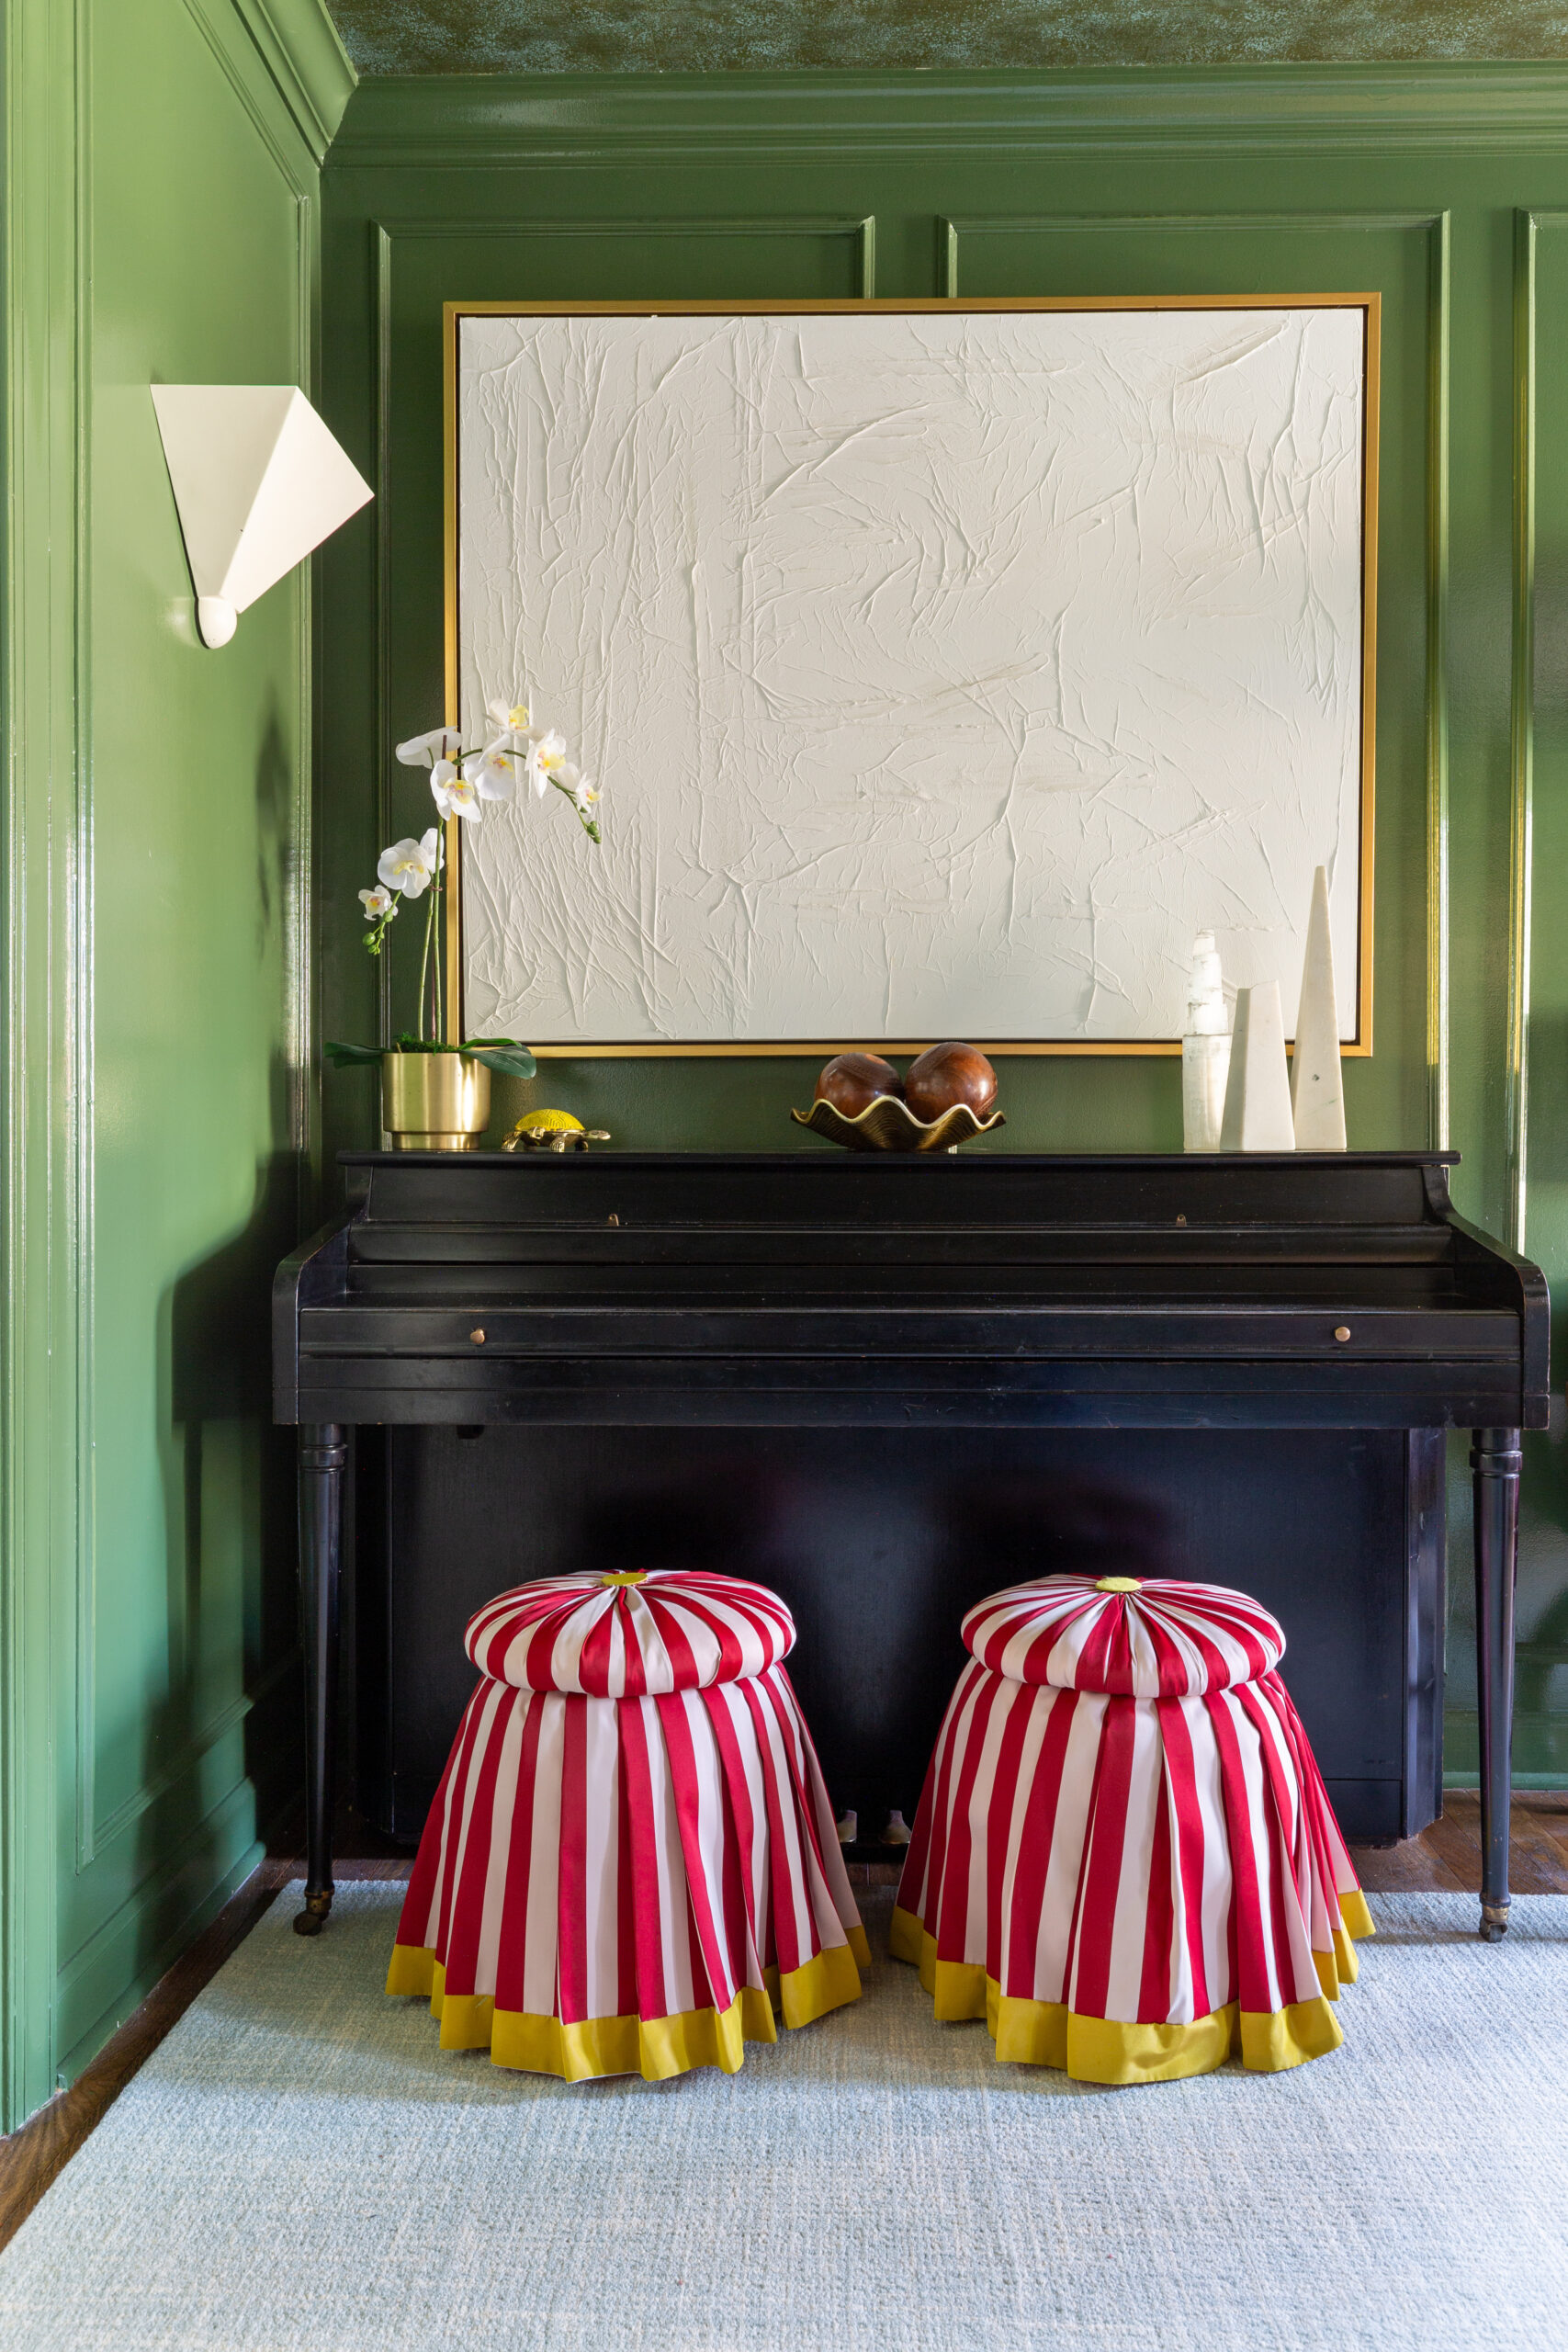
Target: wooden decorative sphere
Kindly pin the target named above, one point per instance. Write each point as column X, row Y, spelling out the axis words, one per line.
column 947, row 1074
column 851, row 1081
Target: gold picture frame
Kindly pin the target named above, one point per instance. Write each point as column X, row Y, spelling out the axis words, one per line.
column 1368, row 304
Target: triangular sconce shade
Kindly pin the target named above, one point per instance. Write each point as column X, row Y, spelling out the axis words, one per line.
column 258, row 481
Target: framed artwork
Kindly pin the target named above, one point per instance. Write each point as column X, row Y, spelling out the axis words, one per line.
column 946, row 667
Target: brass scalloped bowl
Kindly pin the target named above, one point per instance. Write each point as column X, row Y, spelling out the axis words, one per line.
column 888, row 1125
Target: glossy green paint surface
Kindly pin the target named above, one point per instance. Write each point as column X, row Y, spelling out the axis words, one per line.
column 161, row 1106
column 1270, row 181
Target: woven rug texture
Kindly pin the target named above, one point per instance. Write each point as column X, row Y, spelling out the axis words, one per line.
column 298, row 2166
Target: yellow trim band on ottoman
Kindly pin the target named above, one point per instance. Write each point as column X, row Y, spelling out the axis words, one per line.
column 1107, row 2049
column 655, row 2048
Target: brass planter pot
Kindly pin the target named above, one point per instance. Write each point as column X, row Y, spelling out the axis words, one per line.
column 433, row 1102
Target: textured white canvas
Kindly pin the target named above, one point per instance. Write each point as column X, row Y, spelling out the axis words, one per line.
column 945, row 673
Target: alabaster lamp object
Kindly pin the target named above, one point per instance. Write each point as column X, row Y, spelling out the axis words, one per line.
column 1257, row 1092
column 1317, row 1093
column 259, row 482
column 1205, row 1050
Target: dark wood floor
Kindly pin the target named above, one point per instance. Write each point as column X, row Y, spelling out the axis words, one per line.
column 1446, row 1858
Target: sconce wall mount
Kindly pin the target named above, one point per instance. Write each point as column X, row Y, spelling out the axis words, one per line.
column 259, row 482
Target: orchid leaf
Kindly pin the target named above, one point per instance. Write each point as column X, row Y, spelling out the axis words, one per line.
column 506, row 1055
column 503, row 1055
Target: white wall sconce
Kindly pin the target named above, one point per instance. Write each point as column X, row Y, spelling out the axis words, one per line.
column 258, row 481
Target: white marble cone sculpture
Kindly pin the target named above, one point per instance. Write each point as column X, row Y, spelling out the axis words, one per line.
column 1317, row 1093
column 1205, row 1050
column 1257, row 1096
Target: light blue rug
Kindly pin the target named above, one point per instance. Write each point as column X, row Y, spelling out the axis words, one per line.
column 299, row 2166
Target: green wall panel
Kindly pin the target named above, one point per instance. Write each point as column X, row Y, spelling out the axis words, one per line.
column 1411, row 182
column 163, row 224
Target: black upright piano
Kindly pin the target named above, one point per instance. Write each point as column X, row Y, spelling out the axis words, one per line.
column 889, row 1385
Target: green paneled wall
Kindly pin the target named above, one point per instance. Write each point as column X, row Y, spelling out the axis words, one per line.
column 162, row 1000
column 1423, row 183
column 162, row 224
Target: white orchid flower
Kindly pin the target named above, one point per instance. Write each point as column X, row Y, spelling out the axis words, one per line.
column 376, row 903
column 511, row 729
column 423, row 751
column 409, row 866
column 570, row 780
column 457, row 795
column 546, row 757
column 492, row 772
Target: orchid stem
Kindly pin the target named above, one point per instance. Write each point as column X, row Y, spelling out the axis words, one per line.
column 424, row 964
column 439, row 912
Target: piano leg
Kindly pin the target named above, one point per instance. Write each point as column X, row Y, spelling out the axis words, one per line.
column 1495, row 1460
column 322, row 1452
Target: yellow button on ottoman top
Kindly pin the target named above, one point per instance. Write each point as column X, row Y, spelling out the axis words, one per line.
column 1124, row 1857
column 631, row 1858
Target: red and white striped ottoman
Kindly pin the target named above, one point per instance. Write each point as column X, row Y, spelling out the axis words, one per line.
column 631, row 1857
column 1124, row 1857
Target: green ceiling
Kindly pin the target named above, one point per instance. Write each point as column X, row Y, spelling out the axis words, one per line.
column 714, row 36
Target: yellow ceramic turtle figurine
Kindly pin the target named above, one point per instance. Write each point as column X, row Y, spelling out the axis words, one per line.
column 553, row 1131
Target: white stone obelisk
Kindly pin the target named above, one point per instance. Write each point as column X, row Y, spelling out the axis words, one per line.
column 1317, row 1093
column 1258, row 1097
column 1205, row 1050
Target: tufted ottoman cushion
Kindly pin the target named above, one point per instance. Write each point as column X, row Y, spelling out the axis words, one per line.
column 629, row 1637
column 1125, row 1859
column 1153, row 1640
column 631, row 1858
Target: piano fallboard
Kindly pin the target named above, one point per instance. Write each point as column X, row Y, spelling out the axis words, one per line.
column 1329, row 1290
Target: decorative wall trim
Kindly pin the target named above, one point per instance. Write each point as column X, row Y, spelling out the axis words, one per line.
column 188, row 1757
column 1439, row 311
column 381, row 329
column 396, row 123
column 50, row 1833
column 41, row 1279
column 1088, row 224
column 794, row 226
column 1521, row 723
column 299, row 921
column 109, row 1974
column 299, row 44
column 79, row 1108
column 259, row 103
column 223, row 25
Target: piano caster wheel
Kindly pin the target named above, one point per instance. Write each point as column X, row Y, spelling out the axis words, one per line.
column 1494, row 1922
column 313, row 1918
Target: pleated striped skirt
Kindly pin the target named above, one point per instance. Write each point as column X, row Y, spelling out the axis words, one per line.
column 629, row 1885
column 1131, row 1888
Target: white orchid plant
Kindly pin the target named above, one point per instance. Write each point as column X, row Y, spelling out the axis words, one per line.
column 461, row 782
